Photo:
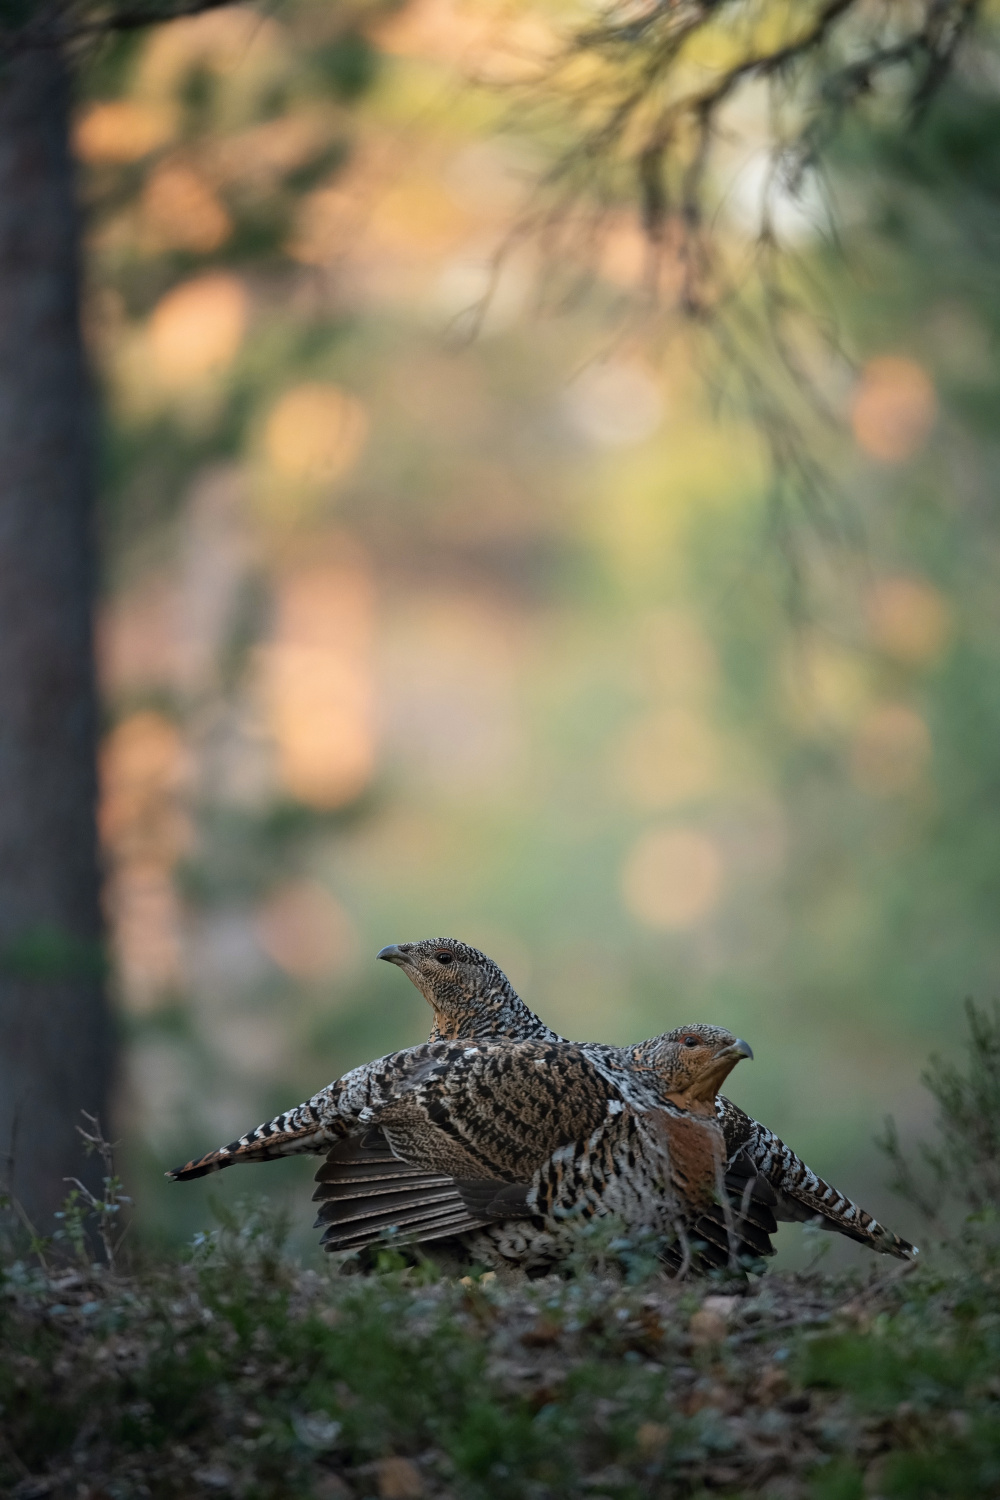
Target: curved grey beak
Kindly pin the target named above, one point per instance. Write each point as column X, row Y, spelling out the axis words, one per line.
column 392, row 955
column 740, row 1046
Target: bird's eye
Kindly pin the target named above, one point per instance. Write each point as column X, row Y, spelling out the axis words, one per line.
column 444, row 957
column 692, row 1041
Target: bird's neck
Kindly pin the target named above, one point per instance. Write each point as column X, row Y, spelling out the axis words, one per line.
column 701, row 1108
column 500, row 1013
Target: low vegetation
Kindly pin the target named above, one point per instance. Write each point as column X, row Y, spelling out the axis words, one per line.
column 234, row 1371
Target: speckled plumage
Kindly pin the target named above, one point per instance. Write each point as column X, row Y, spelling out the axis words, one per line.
column 476, row 1001
column 533, row 1140
column 338, row 1110
column 471, row 997
column 519, row 1144
column 800, row 1195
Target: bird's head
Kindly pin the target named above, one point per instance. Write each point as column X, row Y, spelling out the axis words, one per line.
column 461, row 985
column 692, row 1063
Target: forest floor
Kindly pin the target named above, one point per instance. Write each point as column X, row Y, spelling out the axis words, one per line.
column 236, row 1372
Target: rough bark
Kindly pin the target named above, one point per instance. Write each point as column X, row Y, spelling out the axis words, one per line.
column 55, row 1042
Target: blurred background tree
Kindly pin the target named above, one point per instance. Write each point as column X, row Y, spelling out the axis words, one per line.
column 398, row 636
column 55, row 1046
column 56, row 1049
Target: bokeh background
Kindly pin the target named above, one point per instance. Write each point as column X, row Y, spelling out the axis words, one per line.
column 406, row 632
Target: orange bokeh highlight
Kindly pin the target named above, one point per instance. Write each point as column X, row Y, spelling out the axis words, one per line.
column 196, row 329
column 305, row 931
column 235, row 39
column 677, row 658
column 672, row 878
column 315, row 433
column 147, row 937
column 119, row 130
column 181, row 212
column 502, row 48
column 891, row 750
column 667, row 758
column 317, row 687
column 893, row 409
column 144, row 828
column 908, row 619
column 264, row 153
column 143, row 767
column 326, row 224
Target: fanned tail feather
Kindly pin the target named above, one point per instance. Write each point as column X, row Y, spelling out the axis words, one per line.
column 367, row 1193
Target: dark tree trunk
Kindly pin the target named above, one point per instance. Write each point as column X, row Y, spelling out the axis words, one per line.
column 55, row 1038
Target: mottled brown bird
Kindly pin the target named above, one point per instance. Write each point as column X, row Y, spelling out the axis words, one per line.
column 519, row 1145
column 471, row 997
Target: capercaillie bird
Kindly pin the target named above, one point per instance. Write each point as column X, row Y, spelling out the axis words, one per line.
column 471, row 997
column 514, row 1146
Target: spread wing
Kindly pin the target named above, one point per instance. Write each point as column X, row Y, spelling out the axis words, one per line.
column 333, row 1113
column 457, row 1148
column 297, row 1130
column 496, row 1111
column 366, row 1192
column 341, row 1109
